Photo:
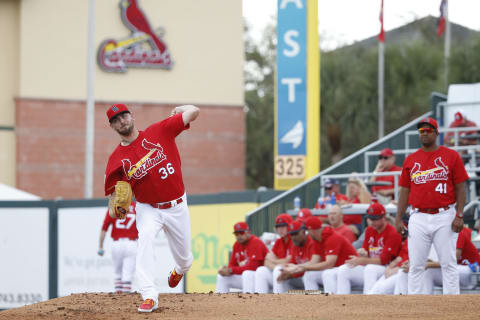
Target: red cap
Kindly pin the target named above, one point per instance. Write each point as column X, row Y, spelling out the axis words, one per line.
column 115, row 110
column 376, row 211
column 303, row 214
column 295, row 227
column 387, row 152
column 240, row 227
column 313, row 223
column 458, row 116
column 283, row 220
column 430, row 121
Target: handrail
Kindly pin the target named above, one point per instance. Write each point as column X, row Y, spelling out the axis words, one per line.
column 455, row 130
column 368, row 154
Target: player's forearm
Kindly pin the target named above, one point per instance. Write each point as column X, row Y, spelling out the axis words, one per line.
column 102, row 239
column 318, row 266
column 364, row 261
column 402, row 202
column 461, row 196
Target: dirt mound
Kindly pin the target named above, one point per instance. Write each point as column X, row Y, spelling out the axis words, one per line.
column 197, row 306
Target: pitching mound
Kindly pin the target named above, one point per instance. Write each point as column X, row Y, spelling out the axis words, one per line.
column 251, row 306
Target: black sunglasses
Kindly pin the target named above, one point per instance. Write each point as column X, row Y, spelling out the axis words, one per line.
column 382, row 157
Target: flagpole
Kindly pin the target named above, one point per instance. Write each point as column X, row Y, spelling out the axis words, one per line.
column 90, row 107
column 447, row 45
column 381, row 74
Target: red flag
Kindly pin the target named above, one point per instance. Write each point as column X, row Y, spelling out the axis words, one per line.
column 381, row 35
column 441, row 20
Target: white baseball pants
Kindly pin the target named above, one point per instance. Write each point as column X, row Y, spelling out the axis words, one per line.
column 175, row 222
column 433, row 277
column 124, row 254
column 313, row 279
column 284, row 286
column 425, row 229
column 244, row 282
column 401, row 286
column 263, row 280
column 358, row 276
column 329, row 277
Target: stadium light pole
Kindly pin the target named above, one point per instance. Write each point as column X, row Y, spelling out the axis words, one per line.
column 90, row 107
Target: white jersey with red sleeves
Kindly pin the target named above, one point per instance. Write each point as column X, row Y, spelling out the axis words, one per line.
column 123, row 228
column 432, row 176
column 151, row 163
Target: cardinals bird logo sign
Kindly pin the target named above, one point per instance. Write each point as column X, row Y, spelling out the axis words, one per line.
column 144, row 48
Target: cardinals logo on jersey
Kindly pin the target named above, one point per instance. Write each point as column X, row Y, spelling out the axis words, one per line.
column 154, row 156
column 117, row 56
column 242, row 258
column 440, row 172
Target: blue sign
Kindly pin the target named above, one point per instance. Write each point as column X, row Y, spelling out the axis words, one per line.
column 291, row 77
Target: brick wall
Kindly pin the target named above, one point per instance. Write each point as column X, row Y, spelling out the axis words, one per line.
column 51, row 146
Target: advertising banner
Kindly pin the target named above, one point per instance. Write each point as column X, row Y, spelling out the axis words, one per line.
column 24, row 256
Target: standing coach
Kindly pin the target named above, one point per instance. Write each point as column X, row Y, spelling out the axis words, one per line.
column 432, row 181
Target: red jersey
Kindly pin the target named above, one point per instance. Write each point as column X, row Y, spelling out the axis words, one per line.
column 403, row 253
column 248, row 256
column 282, row 249
column 125, row 228
column 432, row 176
column 334, row 244
column 346, row 232
column 302, row 254
column 390, row 179
column 151, row 163
column 469, row 251
column 384, row 245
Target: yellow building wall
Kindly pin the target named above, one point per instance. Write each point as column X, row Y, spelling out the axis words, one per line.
column 205, row 39
column 212, row 239
column 9, row 64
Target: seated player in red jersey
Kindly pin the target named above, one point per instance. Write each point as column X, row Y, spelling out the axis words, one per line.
column 335, row 218
column 330, row 251
column 381, row 245
column 280, row 255
column 248, row 254
column 285, row 277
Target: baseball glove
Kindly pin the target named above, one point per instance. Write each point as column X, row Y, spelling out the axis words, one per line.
column 123, row 199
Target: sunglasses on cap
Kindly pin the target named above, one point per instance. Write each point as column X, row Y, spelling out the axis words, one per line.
column 383, row 157
column 426, row 130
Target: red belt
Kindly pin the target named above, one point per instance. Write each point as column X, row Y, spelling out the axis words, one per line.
column 431, row 210
column 166, row 205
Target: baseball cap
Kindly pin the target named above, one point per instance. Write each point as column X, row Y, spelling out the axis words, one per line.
column 387, row 152
column 303, row 214
column 376, row 211
column 430, row 121
column 330, row 182
column 295, row 227
column 458, row 116
column 313, row 223
column 240, row 227
column 283, row 220
column 115, row 110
